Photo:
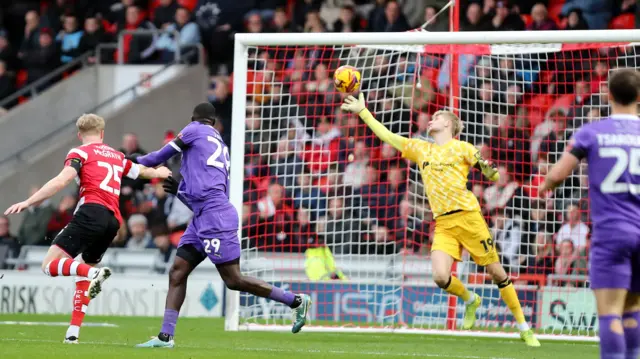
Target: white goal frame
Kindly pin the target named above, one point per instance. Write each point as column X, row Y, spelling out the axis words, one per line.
column 382, row 40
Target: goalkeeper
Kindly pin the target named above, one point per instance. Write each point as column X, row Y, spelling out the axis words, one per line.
column 444, row 166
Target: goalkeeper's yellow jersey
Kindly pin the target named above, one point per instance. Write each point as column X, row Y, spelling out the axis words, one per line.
column 444, row 172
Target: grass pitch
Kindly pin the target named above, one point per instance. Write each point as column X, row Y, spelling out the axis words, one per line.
column 205, row 338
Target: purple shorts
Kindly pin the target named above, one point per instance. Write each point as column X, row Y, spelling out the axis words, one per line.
column 214, row 232
column 614, row 261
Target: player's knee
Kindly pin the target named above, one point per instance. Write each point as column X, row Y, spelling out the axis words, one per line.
column 234, row 283
column 442, row 281
column 177, row 276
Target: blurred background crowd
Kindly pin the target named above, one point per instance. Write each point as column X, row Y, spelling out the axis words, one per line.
column 315, row 176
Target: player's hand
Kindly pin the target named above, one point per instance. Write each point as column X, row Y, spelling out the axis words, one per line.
column 163, row 172
column 170, row 185
column 489, row 171
column 17, row 208
column 351, row 104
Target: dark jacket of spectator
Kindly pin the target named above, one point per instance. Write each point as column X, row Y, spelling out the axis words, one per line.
column 576, row 21
column 7, row 239
column 93, row 36
column 43, row 59
column 164, row 14
column 7, row 86
column 33, row 229
column 392, row 20
column 7, row 52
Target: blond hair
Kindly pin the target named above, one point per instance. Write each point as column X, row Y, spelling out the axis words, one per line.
column 90, row 124
column 456, row 123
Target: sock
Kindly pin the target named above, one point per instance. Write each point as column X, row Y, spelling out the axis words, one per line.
column 631, row 324
column 458, row 289
column 612, row 338
column 510, row 297
column 80, row 303
column 168, row 324
column 282, row 296
column 67, row 267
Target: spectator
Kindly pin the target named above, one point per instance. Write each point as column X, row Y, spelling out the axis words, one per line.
column 62, row 216
column 189, row 36
column 7, row 239
column 43, row 59
column 302, row 8
column 140, row 237
column 314, row 22
column 138, row 48
column 273, row 218
column 7, row 53
column 6, row 82
column 355, row 173
column 280, row 22
column 499, row 195
column 165, row 13
column 30, row 41
column 625, row 7
column 597, row 13
column 131, row 148
column 163, row 243
column 507, row 234
column 599, row 100
column 92, row 36
column 254, row 24
column 340, row 230
column 436, row 24
column 347, row 21
column 541, row 20
column 510, row 146
column 393, row 20
column 69, row 39
column 473, row 17
column 531, row 189
column 33, row 229
column 179, row 216
column 54, row 15
column 565, row 263
column 159, row 205
column 554, row 119
column 574, row 230
column 309, row 196
column 576, row 21
column 503, row 19
column 575, row 113
column 543, row 255
column 301, row 235
column 553, row 144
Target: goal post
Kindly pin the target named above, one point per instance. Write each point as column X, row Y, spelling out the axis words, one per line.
column 306, row 176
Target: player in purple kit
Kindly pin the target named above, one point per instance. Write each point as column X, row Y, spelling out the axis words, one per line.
column 213, row 231
column 612, row 150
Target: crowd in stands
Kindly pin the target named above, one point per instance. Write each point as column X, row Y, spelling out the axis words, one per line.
column 315, row 176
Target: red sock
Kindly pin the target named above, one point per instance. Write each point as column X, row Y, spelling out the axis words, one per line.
column 67, row 267
column 80, row 301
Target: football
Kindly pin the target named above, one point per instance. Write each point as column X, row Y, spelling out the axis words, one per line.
column 347, row 79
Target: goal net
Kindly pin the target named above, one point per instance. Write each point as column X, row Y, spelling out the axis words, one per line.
column 329, row 210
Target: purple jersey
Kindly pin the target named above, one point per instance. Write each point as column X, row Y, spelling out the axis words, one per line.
column 612, row 150
column 205, row 167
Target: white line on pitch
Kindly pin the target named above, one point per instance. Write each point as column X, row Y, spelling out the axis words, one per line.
column 278, row 350
column 58, row 324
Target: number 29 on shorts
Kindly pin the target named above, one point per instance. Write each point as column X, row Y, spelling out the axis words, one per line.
column 210, row 244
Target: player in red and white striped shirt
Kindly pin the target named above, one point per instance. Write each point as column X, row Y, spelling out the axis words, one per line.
column 99, row 170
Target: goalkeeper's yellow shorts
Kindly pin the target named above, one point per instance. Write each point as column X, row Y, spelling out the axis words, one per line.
column 466, row 230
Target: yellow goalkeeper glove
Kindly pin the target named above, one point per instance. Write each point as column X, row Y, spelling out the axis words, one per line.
column 351, row 104
column 488, row 171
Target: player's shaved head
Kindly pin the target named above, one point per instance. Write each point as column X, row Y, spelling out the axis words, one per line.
column 204, row 112
column 624, row 87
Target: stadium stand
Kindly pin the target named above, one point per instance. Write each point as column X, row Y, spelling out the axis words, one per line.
column 274, row 196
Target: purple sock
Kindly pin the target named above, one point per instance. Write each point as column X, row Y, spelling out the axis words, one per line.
column 612, row 342
column 282, row 296
column 631, row 323
column 169, row 321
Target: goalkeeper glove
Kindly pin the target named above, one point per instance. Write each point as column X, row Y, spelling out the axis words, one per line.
column 489, row 171
column 351, row 104
column 170, row 185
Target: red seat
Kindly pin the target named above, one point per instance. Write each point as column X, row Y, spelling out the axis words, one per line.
column 527, row 19
column 624, row 21
column 21, row 78
column 189, row 4
column 564, row 102
column 554, row 12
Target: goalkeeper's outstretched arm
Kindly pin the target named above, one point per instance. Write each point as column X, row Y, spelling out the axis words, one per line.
column 358, row 107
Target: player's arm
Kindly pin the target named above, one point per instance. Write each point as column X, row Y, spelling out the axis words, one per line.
column 358, row 106
column 484, row 166
column 150, row 173
column 560, row 171
column 162, row 155
column 573, row 154
column 47, row 191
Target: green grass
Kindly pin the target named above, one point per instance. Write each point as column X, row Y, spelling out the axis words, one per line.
column 205, row 338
